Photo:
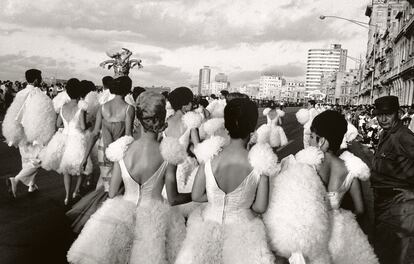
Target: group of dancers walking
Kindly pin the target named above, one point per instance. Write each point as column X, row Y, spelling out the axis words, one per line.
column 197, row 185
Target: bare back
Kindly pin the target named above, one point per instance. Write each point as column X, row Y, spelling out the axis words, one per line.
column 230, row 168
column 115, row 111
column 142, row 160
column 333, row 172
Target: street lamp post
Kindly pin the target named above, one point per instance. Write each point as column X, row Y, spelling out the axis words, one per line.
column 367, row 26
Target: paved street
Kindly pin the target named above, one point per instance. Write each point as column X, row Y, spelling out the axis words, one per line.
column 33, row 228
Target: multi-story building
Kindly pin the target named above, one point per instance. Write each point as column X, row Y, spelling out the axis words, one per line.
column 323, row 61
column 270, row 86
column 389, row 68
column 293, row 91
column 204, row 80
column 251, row 90
column 340, row 87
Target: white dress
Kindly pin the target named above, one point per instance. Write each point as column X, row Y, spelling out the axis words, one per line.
column 348, row 244
column 67, row 148
column 226, row 230
column 138, row 227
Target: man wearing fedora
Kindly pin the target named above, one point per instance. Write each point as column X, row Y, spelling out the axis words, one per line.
column 393, row 183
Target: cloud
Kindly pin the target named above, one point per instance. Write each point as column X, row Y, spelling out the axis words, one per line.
column 14, row 66
column 171, row 24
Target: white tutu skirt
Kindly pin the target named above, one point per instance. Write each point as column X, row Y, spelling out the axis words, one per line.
column 277, row 137
column 159, row 234
column 348, row 244
column 211, row 242
column 108, row 235
column 51, row 155
column 74, row 152
column 119, row 232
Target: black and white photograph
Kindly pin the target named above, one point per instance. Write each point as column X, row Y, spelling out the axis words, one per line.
column 207, row 132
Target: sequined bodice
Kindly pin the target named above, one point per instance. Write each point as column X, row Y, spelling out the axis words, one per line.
column 231, row 207
column 146, row 192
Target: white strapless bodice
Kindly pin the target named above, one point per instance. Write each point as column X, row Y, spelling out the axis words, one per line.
column 231, row 207
column 335, row 198
column 142, row 193
column 72, row 126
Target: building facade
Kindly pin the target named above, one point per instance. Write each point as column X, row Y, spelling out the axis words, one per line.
column 323, row 61
column 204, row 80
column 293, row 92
column 389, row 68
column 271, row 86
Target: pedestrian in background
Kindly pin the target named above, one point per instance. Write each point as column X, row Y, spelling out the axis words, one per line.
column 393, row 183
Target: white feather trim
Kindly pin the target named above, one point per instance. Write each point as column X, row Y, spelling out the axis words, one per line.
column 263, row 134
column 116, row 150
column 355, row 166
column 129, row 99
column 12, row 130
column 280, row 113
column 172, row 151
column 263, row 160
column 209, row 148
column 39, row 118
column 266, row 111
column 351, row 134
column 213, row 125
column 192, row 120
column 311, row 156
column 92, row 99
column 303, row 116
column 60, row 99
column 297, row 218
column 216, row 108
column 82, row 104
column 348, row 244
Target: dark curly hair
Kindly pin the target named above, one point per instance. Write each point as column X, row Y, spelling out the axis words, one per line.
column 87, row 87
column 121, row 86
column 240, row 117
column 151, row 111
column 331, row 125
column 74, row 89
column 179, row 97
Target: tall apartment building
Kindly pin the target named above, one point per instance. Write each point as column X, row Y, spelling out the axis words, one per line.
column 204, row 80
column 322, row 61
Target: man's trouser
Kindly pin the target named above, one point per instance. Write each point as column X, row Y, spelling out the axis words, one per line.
column 394, row 227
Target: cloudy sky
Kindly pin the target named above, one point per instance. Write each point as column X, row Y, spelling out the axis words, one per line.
column 174, row 38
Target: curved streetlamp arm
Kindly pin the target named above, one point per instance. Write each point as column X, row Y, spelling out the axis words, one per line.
column 359, row 23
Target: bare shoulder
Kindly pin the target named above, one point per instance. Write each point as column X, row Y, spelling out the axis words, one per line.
column 338, row 168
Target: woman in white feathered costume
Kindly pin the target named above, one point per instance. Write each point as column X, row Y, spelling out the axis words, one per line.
column 274, row 133
column 235, row 185
column 140, row 226
column 182, row 128
column 297, row 220
column 67, row 149
column 29, row 124
column 114, row 120
column 348, row 244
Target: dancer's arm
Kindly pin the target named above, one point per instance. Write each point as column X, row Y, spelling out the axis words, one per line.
column 174, row 197
column 129, row 121
column 82, row 120
column 356, row 195
column 116, row 180
column 262, row 195
column 95, row 136
column 198, row 193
